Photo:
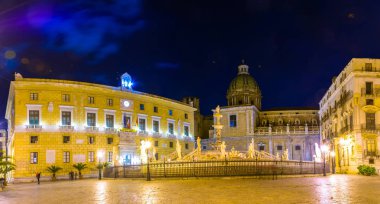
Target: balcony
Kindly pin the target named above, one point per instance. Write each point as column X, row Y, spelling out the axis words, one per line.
column 142, row 133
column 367, row 93
column 92, row 129
column 66, row 128
column 34, row 127
column 370, row 128
column 282, row 130
column 156, row 134
column 111, row 130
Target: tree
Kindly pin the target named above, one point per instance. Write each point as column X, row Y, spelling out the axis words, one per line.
column 100, row 167
column 6, row 166
column 80, row 166
column 53, row 169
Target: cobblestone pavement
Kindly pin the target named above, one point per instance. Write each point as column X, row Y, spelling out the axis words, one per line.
column 330, row 189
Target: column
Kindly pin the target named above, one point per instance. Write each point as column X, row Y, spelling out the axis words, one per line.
column 247, row 121
column 270, row 145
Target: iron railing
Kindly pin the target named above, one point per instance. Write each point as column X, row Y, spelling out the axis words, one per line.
column 214, row 168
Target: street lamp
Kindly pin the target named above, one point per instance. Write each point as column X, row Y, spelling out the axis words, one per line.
column 324, row 149
column 147, row 146
column 332, row 154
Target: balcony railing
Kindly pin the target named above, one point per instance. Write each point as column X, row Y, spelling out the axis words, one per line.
column 34, row 127
column 156, row 134
column 111, row 130
column 142, row 133
column 370, row 127
column 66, row 128
column 92, row 129
column 282, row 130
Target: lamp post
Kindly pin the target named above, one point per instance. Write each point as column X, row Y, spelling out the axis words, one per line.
column 325, row 150
column 332, row 154
column 147, row 146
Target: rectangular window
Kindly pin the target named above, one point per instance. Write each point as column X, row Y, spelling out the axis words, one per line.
column 109, row 121
column 171, row 144
column 156, row 126
column 368, row 67
column 127, row 122
column 171, row 128
column 66, row 97
column 142, row 107
column 186, row 146
column 91, row 140
column 232, row 120
column 109, row 140
column 186, row 130
column 155, row 109
column 66, row 157
column 66, row 118
column 370, row 121
column 109, row 102
column 371, row 147
column 66, row 139
column 110, row 154
column 91, row 157
column 34, row 157
column 368, row 88
column 34, row 117
column 369, row 101
column 298, row 147
column 156, row 143
column 33, row 139
column 279, row 148
column 261, row 147
column 142, row 124
column 33, row 96
column 186, row 116
column 170, row 112
column 91, row 100
column 91, row 119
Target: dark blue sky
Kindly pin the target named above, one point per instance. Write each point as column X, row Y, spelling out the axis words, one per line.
column 189, row 48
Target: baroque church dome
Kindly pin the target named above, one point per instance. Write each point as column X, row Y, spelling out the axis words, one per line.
column 243, row 89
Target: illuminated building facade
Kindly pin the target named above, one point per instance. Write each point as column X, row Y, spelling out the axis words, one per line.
column 60, row 122
column 295, row 130
column 350, row 115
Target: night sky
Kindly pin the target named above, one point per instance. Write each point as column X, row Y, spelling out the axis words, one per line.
column 189, row 48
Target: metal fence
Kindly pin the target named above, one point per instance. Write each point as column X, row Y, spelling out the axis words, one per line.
column 215, row 168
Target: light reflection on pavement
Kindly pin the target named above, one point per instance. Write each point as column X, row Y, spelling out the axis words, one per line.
column 330, row 189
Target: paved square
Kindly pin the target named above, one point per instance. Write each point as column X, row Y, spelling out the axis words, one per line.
column 331, row 189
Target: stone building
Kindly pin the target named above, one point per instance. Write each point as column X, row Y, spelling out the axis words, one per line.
column 349, row 114
column 61, row 122
column 274, row 131
column 3, row 142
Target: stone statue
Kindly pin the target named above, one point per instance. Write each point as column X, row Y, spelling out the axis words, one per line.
column 223, row 149
column 143, row 155
column 277, row 156
column 285, row 155
column 179, row 150
column 233, row 153
column 199, row 146
column 179, row 128
column 318, row 154
column 251, row 149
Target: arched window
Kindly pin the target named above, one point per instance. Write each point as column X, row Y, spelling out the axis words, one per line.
column 297, row 121
column 264, row 122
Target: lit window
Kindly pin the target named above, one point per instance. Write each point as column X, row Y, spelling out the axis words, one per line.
column 33, row 139
column 34, row 157
column 66, row 97
column 110, row 154
column 109, row 102
column 66, row 157
column 91, row 157
column 33, row 96
column 91, row 100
